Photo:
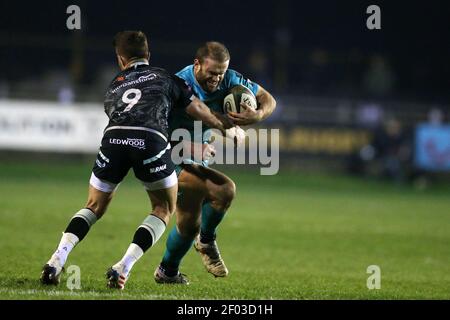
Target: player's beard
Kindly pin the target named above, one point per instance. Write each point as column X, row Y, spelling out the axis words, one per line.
column 213, row 85
column 208, row 86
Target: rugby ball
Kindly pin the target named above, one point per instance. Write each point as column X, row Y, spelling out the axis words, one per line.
column 236, row 95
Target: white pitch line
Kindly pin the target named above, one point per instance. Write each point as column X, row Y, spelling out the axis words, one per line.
column 81, row 294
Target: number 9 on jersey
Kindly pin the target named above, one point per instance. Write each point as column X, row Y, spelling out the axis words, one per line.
column 131, row 102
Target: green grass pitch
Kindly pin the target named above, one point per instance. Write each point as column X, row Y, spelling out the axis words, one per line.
column 290, row 236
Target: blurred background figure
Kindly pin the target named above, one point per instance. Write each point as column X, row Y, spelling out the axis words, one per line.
column 387, row 154
column 393, row 149
column 379, row 78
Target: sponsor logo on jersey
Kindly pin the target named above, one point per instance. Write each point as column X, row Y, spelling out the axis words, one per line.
column 158, row 169
column 149, row 77
column 135, row 143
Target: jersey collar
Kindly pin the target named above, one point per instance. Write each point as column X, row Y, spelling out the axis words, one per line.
column 138, row 63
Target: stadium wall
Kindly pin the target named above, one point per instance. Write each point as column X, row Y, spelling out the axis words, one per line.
column 51, row 127
column 321, row 133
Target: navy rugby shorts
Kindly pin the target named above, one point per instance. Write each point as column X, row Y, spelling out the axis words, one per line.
column 145, row 150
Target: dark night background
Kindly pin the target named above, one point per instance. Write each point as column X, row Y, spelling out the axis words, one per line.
column 313, row 47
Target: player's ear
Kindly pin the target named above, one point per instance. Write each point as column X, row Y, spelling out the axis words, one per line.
column 148, row 56
column 121, row 61
column 196, row 65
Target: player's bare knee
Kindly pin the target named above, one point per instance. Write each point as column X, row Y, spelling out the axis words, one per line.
column 225, row 196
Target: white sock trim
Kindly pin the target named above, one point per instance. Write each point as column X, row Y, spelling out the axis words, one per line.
column 87, row 215
column 155, row 226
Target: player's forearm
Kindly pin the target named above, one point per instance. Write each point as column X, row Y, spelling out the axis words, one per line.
column 199, row 111
column 267, row 104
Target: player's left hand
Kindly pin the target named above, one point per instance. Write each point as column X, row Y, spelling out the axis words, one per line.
column 247, row 116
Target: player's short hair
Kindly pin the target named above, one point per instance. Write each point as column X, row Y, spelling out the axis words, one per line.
column 214, row 50
column 131, row 44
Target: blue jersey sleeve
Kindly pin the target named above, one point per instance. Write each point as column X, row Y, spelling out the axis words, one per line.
column 234, row 78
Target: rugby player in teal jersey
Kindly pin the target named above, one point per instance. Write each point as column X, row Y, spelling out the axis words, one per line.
column 205, row 193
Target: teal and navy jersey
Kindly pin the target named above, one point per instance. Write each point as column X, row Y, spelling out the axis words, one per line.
column 180, row 119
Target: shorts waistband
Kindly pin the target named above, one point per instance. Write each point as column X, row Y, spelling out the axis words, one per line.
column 136, row 128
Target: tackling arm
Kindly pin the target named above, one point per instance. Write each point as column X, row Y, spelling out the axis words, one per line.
column 200, row 111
